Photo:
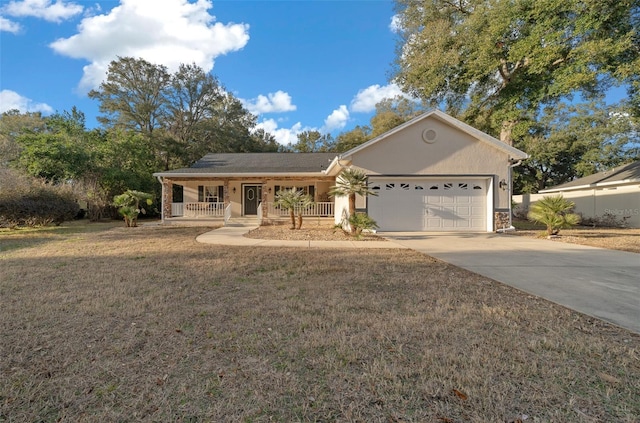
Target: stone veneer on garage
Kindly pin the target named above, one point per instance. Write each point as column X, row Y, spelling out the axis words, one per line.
column 501, row 220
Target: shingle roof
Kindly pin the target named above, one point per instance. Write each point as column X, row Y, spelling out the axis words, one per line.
column 626, row 173
column 233, row 163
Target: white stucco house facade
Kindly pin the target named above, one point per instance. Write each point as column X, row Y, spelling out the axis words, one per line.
column 433, row 173
column 610, row 196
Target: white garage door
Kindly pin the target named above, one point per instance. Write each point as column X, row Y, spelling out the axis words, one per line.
column 411, row 204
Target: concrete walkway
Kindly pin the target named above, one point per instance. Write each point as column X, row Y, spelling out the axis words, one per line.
column 598, row 282
column 234, row 235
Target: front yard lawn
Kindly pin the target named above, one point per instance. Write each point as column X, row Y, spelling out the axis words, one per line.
column 145, row 324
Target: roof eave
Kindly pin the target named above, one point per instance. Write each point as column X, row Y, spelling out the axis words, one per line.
column 335, row 166
column 235, row 175
column 594, row 185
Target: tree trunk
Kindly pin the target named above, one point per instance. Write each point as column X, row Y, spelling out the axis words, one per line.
column 292, row 214
column 352, row 210
column 300, row 219
column 506, row 132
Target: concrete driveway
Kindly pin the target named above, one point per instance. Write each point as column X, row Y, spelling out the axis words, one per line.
column 598, row 282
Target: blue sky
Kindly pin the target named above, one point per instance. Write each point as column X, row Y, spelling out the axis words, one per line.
column 298, row 65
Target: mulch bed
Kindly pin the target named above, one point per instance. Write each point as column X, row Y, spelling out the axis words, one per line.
column 312, row 231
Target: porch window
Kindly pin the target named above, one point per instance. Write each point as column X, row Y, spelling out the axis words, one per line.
column 210, row 194
column 307, row 189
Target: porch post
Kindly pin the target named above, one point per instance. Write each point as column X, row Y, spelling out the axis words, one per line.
column 265, row 208
column 167, row 198
column 225, row 193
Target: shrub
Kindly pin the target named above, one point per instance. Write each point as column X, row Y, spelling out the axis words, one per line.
column 128, row 204
column 293, row 200
column 555, row 212
column 361, row 222
column 26, row 201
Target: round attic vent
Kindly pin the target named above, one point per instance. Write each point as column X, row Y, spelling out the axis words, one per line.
column 429, row 136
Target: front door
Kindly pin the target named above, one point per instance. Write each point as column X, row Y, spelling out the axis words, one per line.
column 252, row 196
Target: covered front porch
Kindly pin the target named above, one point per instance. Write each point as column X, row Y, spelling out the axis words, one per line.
column 221, row 200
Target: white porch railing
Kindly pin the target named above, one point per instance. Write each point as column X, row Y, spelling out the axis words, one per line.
column 219, row 210
column 197, row 209
column 177, row 209
column 316, row 209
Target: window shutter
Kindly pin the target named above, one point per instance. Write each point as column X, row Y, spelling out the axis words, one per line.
column 312, row 191
column 220, row 193
column 276, row 189
column 200, row 193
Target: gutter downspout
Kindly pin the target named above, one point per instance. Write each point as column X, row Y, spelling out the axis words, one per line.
column 161, row 199
column 510, row 196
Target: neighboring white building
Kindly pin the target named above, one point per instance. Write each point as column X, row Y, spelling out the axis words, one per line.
column 610, row 195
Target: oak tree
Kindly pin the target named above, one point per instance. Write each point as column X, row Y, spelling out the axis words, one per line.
column 492, row 62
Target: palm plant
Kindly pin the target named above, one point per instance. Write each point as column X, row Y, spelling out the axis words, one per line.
column 350, row 183
column 361, row 222
column 555, row 212
column 128, row 204
column 292, row 200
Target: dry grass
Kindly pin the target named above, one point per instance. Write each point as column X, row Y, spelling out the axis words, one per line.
column 623, row 239
column 145, row 324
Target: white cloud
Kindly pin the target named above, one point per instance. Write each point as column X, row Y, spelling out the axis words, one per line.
column 10, row 100
column 43, row 9
column 365, row 101
column 395, row 25
column 284, row 136
column 277, row 102
column 9, row 26
column 170, row 33
column 337, row 119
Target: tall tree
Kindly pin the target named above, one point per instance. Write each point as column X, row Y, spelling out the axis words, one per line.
column 192, row 98
column 57, row 152
column 134, row 95
column 392, row 112
column 12, row 124
column 266, row 140
column 571, row 141
column 183, row 115
column 231, row 129
column 495, row 61
column 353, row 138
column 313, row 142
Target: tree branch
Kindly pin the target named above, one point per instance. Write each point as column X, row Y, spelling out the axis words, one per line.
column 459, row 5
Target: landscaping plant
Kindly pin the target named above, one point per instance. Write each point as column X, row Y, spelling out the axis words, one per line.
column 128, row 204
column 361, row 222
column 555, row 212
column 28, row 201
column 350, row 183
column 292, row 200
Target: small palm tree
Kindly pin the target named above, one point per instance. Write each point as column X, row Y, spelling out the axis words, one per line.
column 555, row 212
column 292, row 200
column 350, row 183
column 128, row 204
column 361, row 222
